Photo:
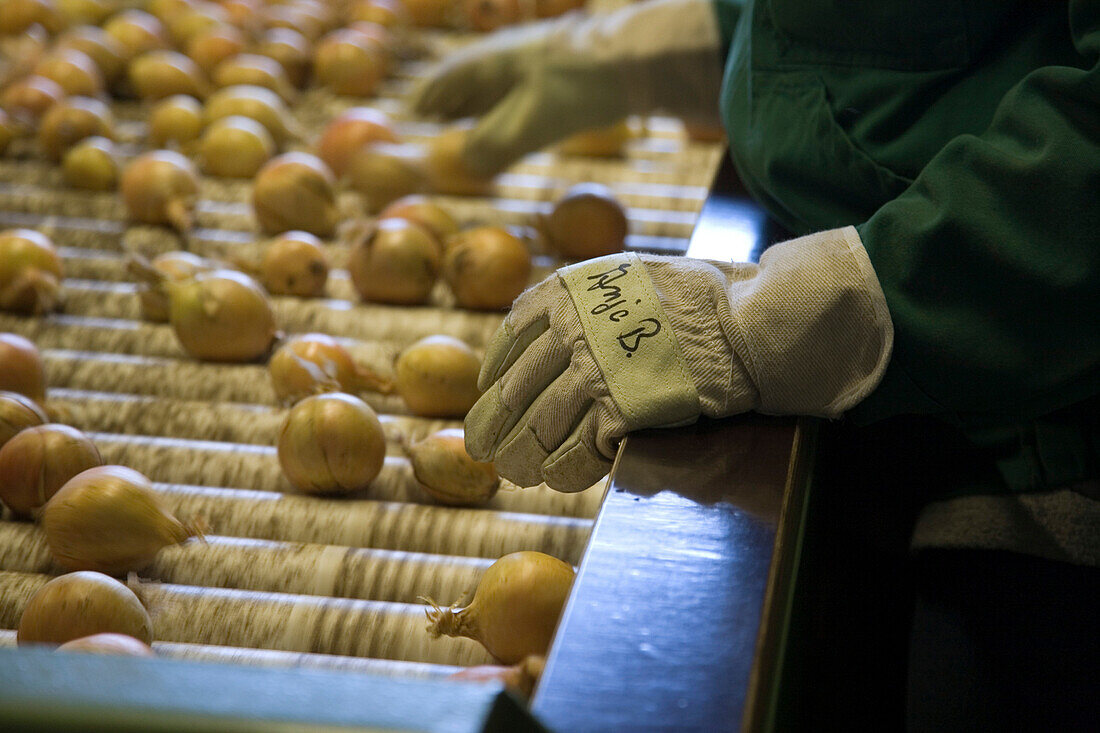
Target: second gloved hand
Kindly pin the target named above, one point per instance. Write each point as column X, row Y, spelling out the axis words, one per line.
column 629, row 341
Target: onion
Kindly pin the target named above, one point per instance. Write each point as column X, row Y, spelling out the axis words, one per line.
column 349, row 131
column 314, row 363
column 21, row 367
column 376, row 35
column 170, row 266
column 290, row 48
column 384, row 172
column 262, row 105
column 437, row 377
column 84, row 12
column 18, row 412
column 429, row 13
column 448, row 473
column 310, row 23
column 108, row 519
column 109, row 643
column 515, row 609
column 80, row 604
column 195, row 19
column 235, row 147
column 331, row 443
column 107, row 53
column 221, row 315
column 212, row 47
column 425, row 212
column 295, row 191
column 160, row 187
column 396, row 262
column 30, row 272
column 27, row 100
column 70, row 121
column 91, row 164
column 73, row 70
column 447, row 172
column 294, row 263
column 38, row 461
column 387, row 13
column 487, row 15
column 605, row 142
column 165, row 9
column 587, row 222
column 137, row 31
column 521, row 677
column 159, row 74
column 244, row 14
column 347, row 63
column 175, row 122
column 19, row 15
column 255, row 70
column 554, row 8
column 486, row 268
column 9, row 130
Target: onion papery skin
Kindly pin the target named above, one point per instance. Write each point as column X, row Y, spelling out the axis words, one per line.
column 38, row 461
column 160, row 187
column 80, row 604
column 295, row 191
column 437, row 377
column 108, row 643
column 447, row 472
column 396, row 262
column 173, row 266
column 314, row 363
column 17, row 413
column 221, row 315
column 486, row 268
column 108, row 519
column 21, row 367
column 30, row 272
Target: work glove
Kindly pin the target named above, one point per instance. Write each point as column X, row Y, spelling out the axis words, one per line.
column 539, row 83
column 630, row 341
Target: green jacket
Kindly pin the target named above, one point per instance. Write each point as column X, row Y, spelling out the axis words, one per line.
column 962, row 139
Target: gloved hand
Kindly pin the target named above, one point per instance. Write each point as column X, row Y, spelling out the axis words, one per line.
column 631, row 341
column 539, row 83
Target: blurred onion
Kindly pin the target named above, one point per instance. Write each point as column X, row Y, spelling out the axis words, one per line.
column 73, row 70
column 91, row 165
column 212, row 47
column 70, row 121
column 38, row 461
column 176, row 122
column 17, row 413
column 486, row 268
column 28, row 99
column 348, row 64
column 137, row 31
column 160, row 187
column 30, row 272
column 76, row 605
column 21, row 367
column 295, row 191
column 235, row 147
column 221, row 315
column 384, row 172
column 349, row 131
column 160, row 74
column 294, row 263
column 396, row 262
column 262, row 105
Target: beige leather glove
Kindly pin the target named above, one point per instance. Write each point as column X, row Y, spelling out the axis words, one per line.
column 539, row 83
column 631, row 341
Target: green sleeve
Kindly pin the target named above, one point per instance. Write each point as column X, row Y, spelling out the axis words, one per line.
column 990, row 261
column 728, row 13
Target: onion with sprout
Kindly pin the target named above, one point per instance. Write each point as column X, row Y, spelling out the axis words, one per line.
column 38, row 461
column 91, row 164
column 588, row 221
column 437, row 377
column 235, row 147
column 396, row 262
column 17, row 413
column 70, row 121
column 294, row 263
column 160, row 187
column 76, row 605
column 21, row 367
column 30, row 272
column 448, row 473
column 314, row 363
column 486, row 268
column 295, row 191
column 349, row 131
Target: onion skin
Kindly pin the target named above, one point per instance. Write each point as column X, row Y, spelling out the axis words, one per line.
column 17, row 413
column 447, row 472
column 515, row 609
column 91, row 165
column 348, row 64
column 109, row 643
column 294, row 263
column 314, row 363
column 160, row 187
column 587, row 222
column 109, row 520
column 396, row 262
column 331, row 444
column 80, row 604
column 221, row 315
column 349, row 131
column 235, row 147
column 38, row 461
column 157, row 75
column 176, row 122
column 70, row 121
column 486, row 268
column 175, row 266
column 30, row 272
column 521, row 678
column 21, row 367
column 437, row 377
column 423, row 211
column 295, row 191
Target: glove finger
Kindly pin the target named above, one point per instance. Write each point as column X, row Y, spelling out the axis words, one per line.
column 525, row 322
column 577, row 463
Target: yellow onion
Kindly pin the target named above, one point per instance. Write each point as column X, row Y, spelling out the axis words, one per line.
column 554, row 8
column 603, row 142
column 437, row 377
column 290, row 48
column 160, row 187
column 311, row 23
column 295, row 191
column 165, row 9
column 487, row 15
column 70, row 121
column 235, row 147
column 314, row 363
column 175, row 122
column 349, row 131
column 107, row 53
column 73, row 70
column 76, row 605
column 109, row 519
column 196, row 18
column 429, row 13
column 520, row 678
column 515, row 608
column 212, row 47
column 159, row 74
column 587, row 222
column 221, row 315
column 448, row 473
column 262, row 105
column 91, row 164
column 18, row 412
column 137, row 31
column 447, row 171
column 425, row 212
column 294, row 263
column 397, row 262
column 255, row 70
column 244, row 14
column 30, row 272
column 376, row 35
column 486, row 268
column 21, row 367
column 109, row 643
column 30, row 98
column 387, row 13
column 348, row 63
column 17, row 16
column 331, row 443
column 9, row 130
column 85, row 12
column 38, row 461
column 170, row 266
column 384, row 172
